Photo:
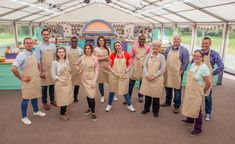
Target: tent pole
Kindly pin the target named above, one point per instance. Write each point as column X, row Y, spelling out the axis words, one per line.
column 194, row 35
column 30, row 29
column 175, row 29
column 15, row 31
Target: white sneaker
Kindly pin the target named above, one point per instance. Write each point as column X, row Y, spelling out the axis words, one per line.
column 115, row 98
column 102, row 99
column 131, row 108
column 26, row 121
column 108, row 108
column 39, row 113
column 207, row 117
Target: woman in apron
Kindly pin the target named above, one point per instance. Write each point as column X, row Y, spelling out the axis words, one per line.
column 153, row 82
column 102, row 54
column 119, row 76
column 63, row 86
column 197, row 83
column 88, row 67
column 30, row 79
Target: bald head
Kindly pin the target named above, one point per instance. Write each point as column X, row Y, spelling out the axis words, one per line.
column 176, row 41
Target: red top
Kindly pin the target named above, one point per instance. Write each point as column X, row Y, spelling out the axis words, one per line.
column 126, row 56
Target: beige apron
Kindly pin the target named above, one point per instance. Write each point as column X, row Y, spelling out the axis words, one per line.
column 119, row 85
column 88, row 72
column 172, row 73
column 103, row 67
column 207, row 61
column 137, row 68
column 155, row 87
column 193, row 96
column 31, row 89
column 63, row 90
column 47, row 58
column 73, row 56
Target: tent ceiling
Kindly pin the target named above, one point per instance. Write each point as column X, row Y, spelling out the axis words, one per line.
column 153, row 11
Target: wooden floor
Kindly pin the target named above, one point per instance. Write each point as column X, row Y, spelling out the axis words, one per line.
column 118, row 126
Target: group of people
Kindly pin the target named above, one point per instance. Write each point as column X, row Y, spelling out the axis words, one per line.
column 63, row 71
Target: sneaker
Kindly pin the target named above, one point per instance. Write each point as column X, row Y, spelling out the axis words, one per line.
column 108, row 108
column 64, row 117
column 46, row 106
column 102, row 99
column 140, row 99
column 195, row 133
column 93, row 117
column 144, row 112
column 75, row 100
column 207, row 117
column 54, row 103
column 131, row 108
column 186, row 122
column 115, row 98
column 155, row 114
column 26, row 121
column 87, row 112
column 165, row 105
column 39, row 113
column 176, row 110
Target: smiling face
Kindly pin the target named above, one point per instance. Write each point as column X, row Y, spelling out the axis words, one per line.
column 206, row 44
column 74, row 43
column 156, row 47
column 118, row 47
column 176, row 41
column 61, row 53
column 197, row 57
column 46, row 36
column 88, row 50
column 141, row 40
column 101, row 42
column 28, row 44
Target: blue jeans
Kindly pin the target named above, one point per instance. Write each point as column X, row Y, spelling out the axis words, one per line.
column 101, row 89
column 126, row 96
column 24, row 106
column 208, row 103
column 131, row 86
column 177, row 97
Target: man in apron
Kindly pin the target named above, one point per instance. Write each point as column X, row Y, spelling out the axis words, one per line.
column 177, row 58
column 211, row 58
column 138, row 53
column 30, row 79
column 45, row 53
column 74, row 53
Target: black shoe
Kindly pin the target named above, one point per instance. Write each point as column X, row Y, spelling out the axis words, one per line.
column 93, row 117
column 124, row 103
column 144, row 112
column 140, row 99
column 87, row 112
column 75, row 100
column 165, row 104
column 195, row 132
column 155, row 114
column 186, row 122
column 176, row 110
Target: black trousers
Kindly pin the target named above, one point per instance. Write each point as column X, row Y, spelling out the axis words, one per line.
column 51, row 93
column 155, row 104
column 63, row 110
column 91, row 104
column 75, row 91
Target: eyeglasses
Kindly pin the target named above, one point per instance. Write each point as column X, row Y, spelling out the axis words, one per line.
column 197, row 56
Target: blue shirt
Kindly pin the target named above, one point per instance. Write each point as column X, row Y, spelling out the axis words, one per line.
column 20, row 61
column 43, row 46
column 184, row 56
column 215, row 59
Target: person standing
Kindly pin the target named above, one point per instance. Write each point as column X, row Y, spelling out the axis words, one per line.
column 177, row 59
column 88, row 67
column 45, row 53
column 119, row 76
column 138, row 53
column 211, row 58
column 198, row 82
column 73, row 54
column 153, row 81
column 30, row 80
column 60, row 72
column 102, row 54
